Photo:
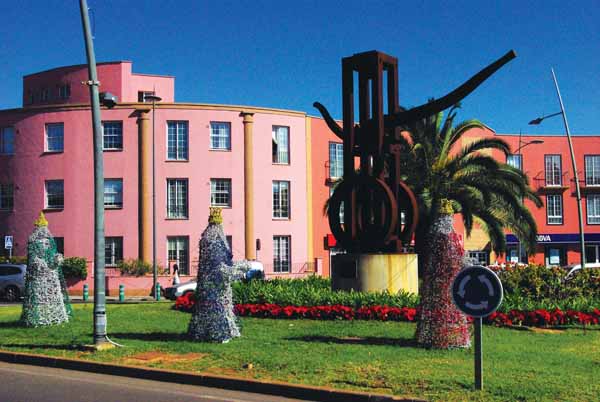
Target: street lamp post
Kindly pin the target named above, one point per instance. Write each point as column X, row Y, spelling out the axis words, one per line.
column 154, row 99
column 521, row 166
column 575, row 174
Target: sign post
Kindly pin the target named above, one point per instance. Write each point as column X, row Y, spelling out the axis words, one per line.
column 8, row 244
column 477, row 292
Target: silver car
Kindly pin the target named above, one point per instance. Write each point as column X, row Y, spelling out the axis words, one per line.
column 12, row 281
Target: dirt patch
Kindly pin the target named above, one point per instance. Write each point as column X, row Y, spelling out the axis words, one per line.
column 160, row 357
column 546, row 330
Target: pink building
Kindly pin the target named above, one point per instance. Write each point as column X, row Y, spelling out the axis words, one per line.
column 200, row 160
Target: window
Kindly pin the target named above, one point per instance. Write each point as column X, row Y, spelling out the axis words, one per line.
column 336, row 160
column 142, row 96
column 54, row 137
column 113, row 193
column 45, row 95
column 177, row 198
column 6, row 197
column 281, row 199
column 592, row 254
column 553, row 170
column 229, row 242
column 555, row 256
column 60, row 244
column 112, row 135
column 178, row 251
column 177, row 140
column 55, row 194
column 281, row 253
column 113, row 250
column 220, row 192
column 593, row 209
column 592, row 170
column 482, row 257
column 220, row 135
column 7, row 141
column 281, row 145
column 64, row 91
column 515, row 161
column 554, row 209
column 331, row 190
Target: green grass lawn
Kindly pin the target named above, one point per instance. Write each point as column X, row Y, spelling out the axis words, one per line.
column 360, row 355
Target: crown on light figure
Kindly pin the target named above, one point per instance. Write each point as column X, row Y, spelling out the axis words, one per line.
column 41, row 221
column 215, row 217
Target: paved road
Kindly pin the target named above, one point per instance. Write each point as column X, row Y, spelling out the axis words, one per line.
column 24, row 383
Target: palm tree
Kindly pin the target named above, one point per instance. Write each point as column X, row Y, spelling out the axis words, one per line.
column 481, row 189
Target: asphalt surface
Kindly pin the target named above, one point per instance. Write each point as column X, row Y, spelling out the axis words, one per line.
column 21, row 383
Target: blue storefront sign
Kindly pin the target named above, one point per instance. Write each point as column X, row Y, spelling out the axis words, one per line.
column 558, row 238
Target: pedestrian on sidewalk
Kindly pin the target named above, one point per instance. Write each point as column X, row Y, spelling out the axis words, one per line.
column 175, row 274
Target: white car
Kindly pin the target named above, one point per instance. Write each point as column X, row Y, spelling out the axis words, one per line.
column 256, row 272
column 573, row 268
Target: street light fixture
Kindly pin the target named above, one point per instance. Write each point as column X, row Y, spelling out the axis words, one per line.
column 154, row 99
column 575, row 174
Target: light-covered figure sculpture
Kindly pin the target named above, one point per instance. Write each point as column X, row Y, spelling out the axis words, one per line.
column 45, row 300
column 213, row 318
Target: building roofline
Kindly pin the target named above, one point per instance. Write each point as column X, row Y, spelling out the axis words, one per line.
column 77, row 65
column 153, row 75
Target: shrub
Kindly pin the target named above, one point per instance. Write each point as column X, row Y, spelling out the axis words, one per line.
column 75, row 268
column 133, row 267
column 14, row 260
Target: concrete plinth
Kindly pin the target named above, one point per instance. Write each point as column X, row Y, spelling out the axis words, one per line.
column 375, row 272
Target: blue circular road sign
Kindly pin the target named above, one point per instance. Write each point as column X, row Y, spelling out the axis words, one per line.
column 477, row 291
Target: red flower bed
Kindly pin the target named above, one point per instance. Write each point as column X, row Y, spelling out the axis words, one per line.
column 538, row 318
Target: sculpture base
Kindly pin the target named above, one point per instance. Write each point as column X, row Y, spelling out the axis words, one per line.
column 375, row 272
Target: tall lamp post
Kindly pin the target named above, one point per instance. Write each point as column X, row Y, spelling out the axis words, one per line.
column 518, row 152
column 575, row 174
column 154, row 99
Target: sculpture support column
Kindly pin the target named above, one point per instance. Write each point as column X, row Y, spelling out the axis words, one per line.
column 145, row 185
column 249, row 186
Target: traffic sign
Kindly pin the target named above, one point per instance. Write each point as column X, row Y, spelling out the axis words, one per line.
column 8, row 242
column 477, row 291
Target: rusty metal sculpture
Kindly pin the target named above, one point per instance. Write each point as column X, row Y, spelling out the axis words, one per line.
column 375, row 197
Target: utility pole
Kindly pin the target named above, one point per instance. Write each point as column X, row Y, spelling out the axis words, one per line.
column 100, row 338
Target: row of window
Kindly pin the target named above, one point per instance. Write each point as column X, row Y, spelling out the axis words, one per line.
column 177, row 139
column 553, row 168
column 554, row 209
column 62, row 91
column 177, row 196
column 178, row 251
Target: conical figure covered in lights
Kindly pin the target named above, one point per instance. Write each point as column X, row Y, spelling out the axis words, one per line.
column 45, row 301
column 440, row 324
column 213, row 318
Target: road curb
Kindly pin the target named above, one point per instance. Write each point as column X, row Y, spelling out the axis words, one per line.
column 207, row 380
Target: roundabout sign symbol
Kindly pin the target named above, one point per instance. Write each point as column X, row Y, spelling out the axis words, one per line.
column 477, row 291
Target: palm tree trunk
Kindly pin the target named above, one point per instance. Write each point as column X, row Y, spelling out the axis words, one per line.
column 441, row 325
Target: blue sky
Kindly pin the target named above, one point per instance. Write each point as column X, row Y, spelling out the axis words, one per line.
column 287, row 54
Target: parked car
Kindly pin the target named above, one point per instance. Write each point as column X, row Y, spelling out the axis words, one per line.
column 12, row 281
column 572, row 269
column 173, row 292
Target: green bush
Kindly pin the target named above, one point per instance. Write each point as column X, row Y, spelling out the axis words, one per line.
column 313, row 291
column 17, row 259
column 134, row 267
column 75, row 268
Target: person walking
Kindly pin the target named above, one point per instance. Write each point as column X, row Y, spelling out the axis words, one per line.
column 175, row 274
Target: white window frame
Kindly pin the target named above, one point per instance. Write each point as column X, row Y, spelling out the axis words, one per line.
column 112, row 134
column 178, row 249
column 592, row 170
column 281, row 145
column 7, row 141
column 114, row 198
column 7, row 201
column 593, row 209
column 220, row 189
column 554, row 209
column 113, row 246
column 51, row 188
column 144, row 94
column 281, row 205
column 336, row 160
column 177, row 198
column 515, row 160
column 55, row 138
column 553, row 170
column 282, row 260
column 177, row 140
column 220, row 135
